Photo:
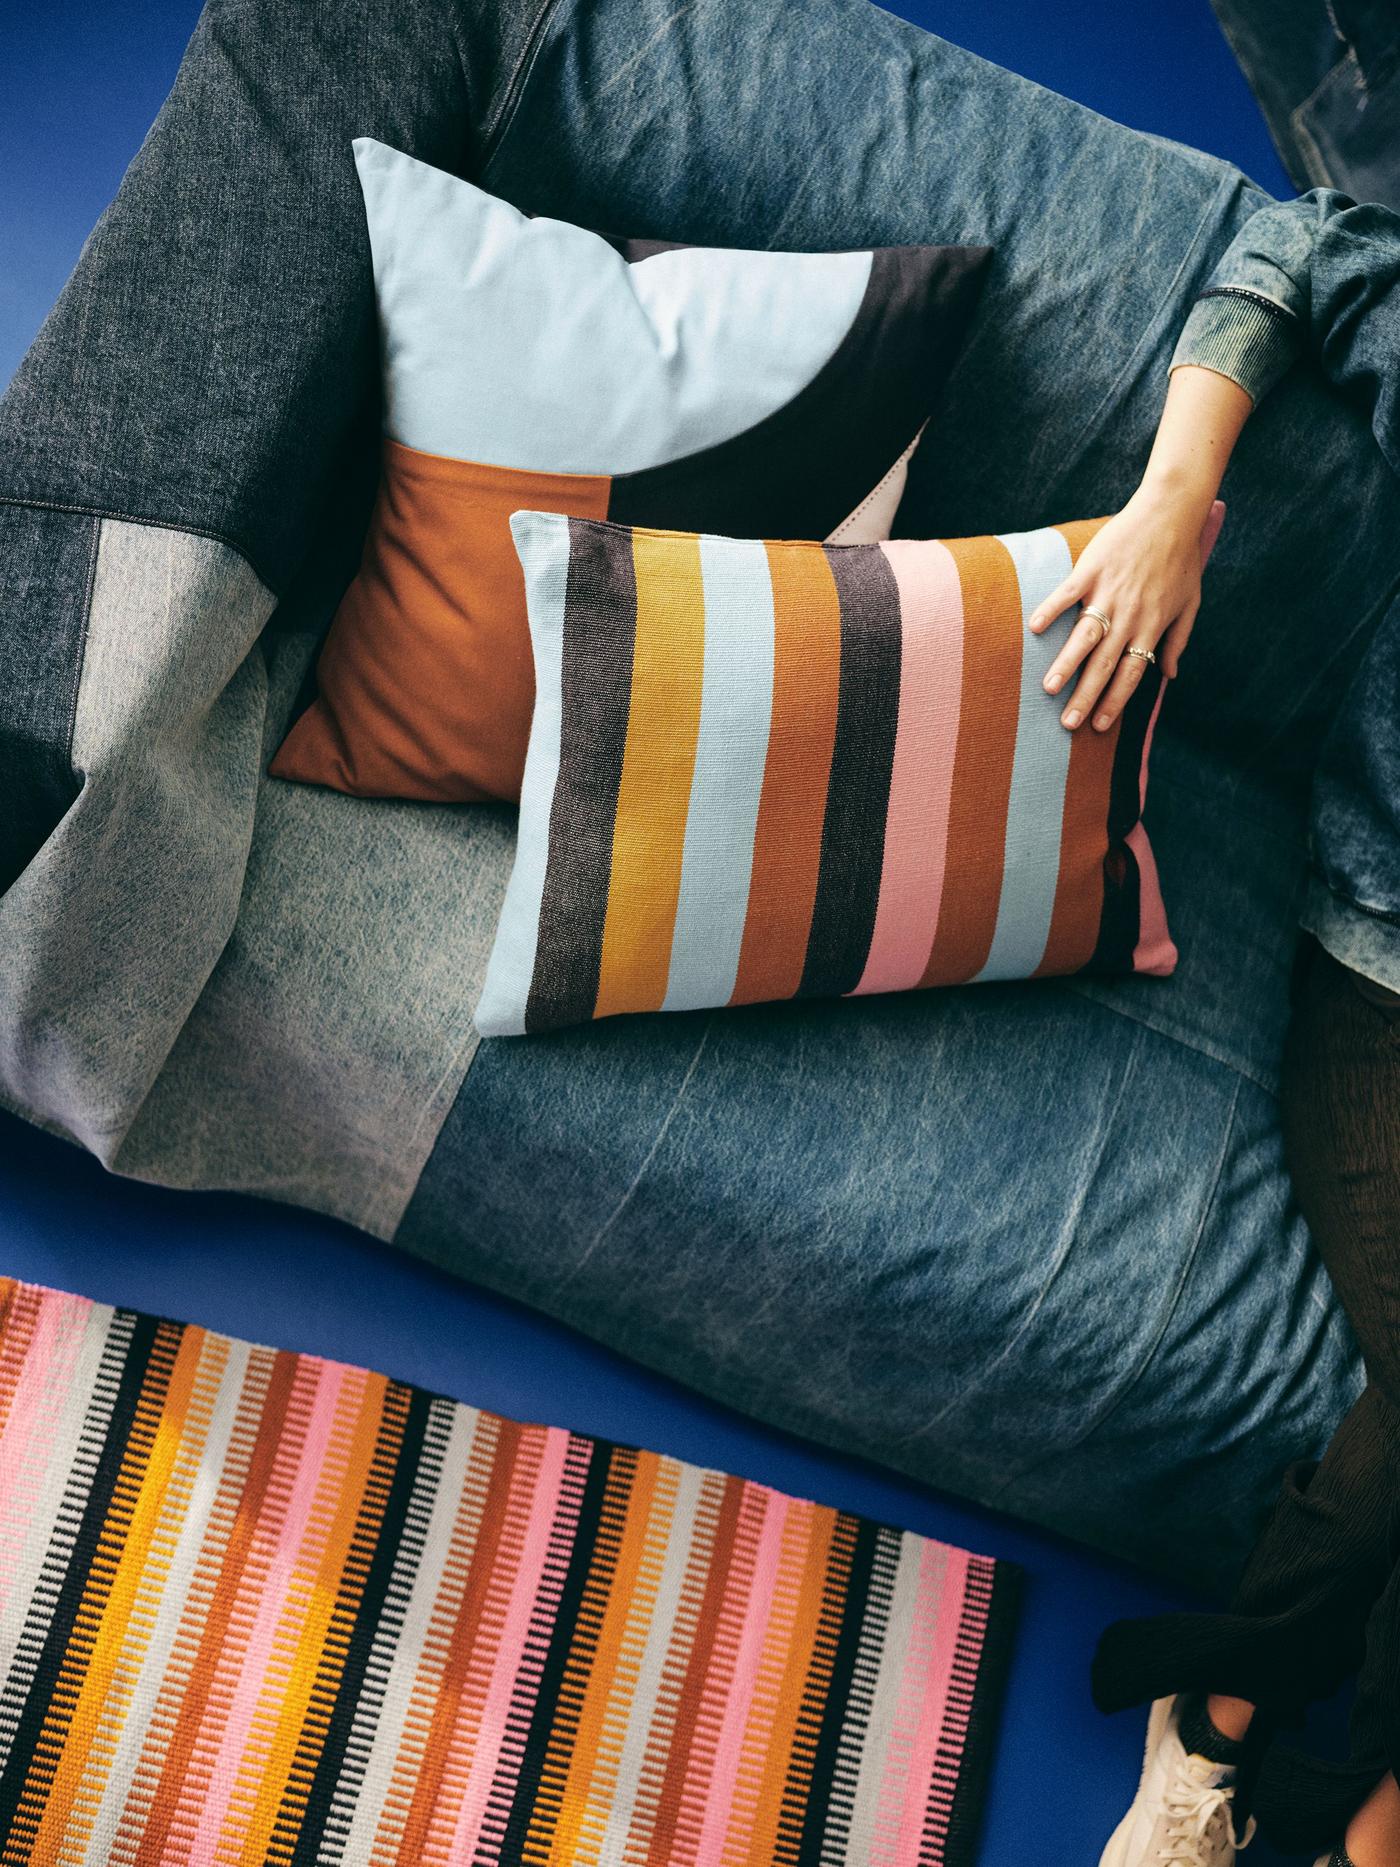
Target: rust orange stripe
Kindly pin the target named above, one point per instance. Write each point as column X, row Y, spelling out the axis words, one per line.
column 464, row 1635
column 197, row 1701
column 343, row 1489
column 816, row 1524
column 983, row 764
column 792, row 807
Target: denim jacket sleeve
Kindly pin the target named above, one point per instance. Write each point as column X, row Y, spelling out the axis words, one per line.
column 1318, row 275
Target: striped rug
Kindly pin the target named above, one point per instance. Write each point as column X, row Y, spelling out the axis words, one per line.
column 262, row 1607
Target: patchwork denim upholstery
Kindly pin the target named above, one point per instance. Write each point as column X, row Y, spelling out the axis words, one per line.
column 1032, row 1243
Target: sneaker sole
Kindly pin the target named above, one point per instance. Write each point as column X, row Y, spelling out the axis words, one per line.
column 1116, row 1853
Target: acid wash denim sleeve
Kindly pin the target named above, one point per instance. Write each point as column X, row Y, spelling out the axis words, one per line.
column 1319, row 276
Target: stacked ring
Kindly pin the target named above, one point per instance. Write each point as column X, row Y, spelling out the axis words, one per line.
column 1105, row 623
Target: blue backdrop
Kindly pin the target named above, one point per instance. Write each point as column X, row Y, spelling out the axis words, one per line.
column 80, row 83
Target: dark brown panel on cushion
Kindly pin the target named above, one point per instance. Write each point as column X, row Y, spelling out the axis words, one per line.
column 803, row 470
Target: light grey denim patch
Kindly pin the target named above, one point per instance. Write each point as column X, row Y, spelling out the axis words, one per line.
column 107, row 937
column 329, row 1043
column 212, row 978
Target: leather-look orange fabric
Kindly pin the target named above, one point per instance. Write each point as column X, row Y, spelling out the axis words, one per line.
column 426, row 680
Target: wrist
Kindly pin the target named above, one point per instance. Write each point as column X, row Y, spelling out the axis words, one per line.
column 1180, row 487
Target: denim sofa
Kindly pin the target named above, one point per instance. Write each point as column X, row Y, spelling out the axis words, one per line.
column 1033, row 1244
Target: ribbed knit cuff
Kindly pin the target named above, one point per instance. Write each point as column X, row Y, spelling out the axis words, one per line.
column 1243, row 335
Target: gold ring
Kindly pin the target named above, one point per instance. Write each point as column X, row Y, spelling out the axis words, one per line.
column 1104, row 622
column 1144, row 654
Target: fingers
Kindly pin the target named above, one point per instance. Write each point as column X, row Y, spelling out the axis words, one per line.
column 1173, row 644
column 1094, row 676
column 1121, row 688
column 1086, row 635
column 1058, row 601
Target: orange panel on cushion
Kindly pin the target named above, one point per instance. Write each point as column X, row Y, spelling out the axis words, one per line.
column 426, row 683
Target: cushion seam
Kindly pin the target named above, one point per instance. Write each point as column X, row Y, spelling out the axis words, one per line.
column 41, row 504
column 496, row 132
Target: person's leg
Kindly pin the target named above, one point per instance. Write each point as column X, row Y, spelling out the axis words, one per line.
column 1322, row 1587
column 1327, row 78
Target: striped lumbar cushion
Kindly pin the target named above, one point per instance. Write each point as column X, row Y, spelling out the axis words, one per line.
column 763, row 771
column 257, row 1606
column 530, row 363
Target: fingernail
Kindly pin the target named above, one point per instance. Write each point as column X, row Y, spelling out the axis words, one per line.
column 1053, row 683
column 1072, row 718
column 1102, row 721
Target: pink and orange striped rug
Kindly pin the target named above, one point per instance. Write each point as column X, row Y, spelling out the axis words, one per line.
column 261, row 1607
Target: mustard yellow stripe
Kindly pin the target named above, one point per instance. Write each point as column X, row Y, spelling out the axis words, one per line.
column 589, row 1797
column 348, row 1495
column 658, row 763
column 584, row 1755
column 88, row 1712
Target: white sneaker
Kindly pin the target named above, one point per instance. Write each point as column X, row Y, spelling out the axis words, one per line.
column 1182, row 1809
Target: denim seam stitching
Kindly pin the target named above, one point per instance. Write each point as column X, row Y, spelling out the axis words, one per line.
column 1319, row 873
column 1125, row 1387
column 139, row 518
column 80, row 658
column 1261, row 299
column 497, row 131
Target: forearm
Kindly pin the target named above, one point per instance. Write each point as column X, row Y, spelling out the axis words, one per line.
column 1318, row 276
column 1201, row 421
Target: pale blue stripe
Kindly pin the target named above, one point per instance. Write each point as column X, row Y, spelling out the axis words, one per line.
column 1036, row 809
column 542, row 540
column 736, row 710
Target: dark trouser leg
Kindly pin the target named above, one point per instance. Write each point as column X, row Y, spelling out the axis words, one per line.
column 1321, row 1593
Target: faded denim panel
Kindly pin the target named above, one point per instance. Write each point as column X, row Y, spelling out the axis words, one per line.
column 999, row 1238
column 108, row 936
column 334, row 1033
column 46, row 566
column 856, row 127
column 211, row 365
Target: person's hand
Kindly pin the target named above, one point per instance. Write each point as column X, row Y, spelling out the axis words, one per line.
column 1142, row 570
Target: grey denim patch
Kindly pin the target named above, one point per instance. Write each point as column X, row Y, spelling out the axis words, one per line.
column 336, row 1029
column 107, row 937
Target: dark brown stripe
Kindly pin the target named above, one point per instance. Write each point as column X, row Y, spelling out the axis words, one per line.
column 803, row 469
column 1121, row 921
column 149, row 1360
column 383, row 1518
column 512, row 1847
column 600, row 622
column 858, row 795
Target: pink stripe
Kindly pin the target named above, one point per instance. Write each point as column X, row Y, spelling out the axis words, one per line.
column 42, row 1391
column 719, row 1791
column 272, row 1604
column 1155, row 951
column 921, row 777
column 940, row 1672
column 484, row 1760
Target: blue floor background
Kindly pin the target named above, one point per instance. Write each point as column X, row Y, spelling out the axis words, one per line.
column 79, row 85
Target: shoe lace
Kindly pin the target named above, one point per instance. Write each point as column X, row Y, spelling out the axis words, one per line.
column 1197, row 1830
